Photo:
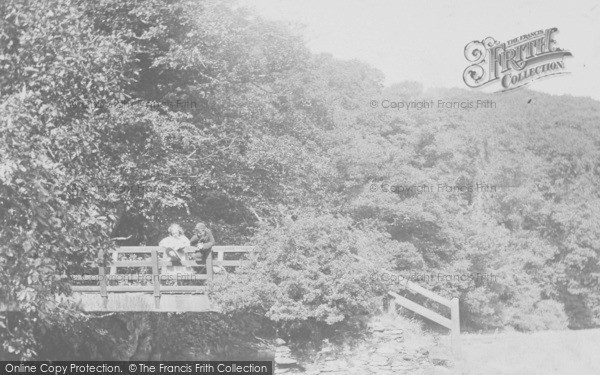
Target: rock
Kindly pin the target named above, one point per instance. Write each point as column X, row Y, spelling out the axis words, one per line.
column 279, row 342
column 285, row 361
column 325, row 351
column 379, row 360
column 334, row 365
column 440, row 357
column 377, row 327
column 283, row 356
column 386, row 350
column 282, row 350
column 440, row 361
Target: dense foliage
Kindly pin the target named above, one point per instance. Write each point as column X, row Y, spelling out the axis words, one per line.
column 305, row 272
column 119, row 117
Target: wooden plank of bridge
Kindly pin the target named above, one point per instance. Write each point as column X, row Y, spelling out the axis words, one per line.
column 229, row 263
column 138, row 249
column 132, row 263
column 131, row 277
column 141, row 288
column 145, row 302
column 156, row 279
column 216, row 249
column 164, row 263
column 233, row 249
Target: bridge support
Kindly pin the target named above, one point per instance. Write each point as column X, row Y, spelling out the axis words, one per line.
column 209, row 265
column 131, row 302
column 154, row 260
column 103, row 284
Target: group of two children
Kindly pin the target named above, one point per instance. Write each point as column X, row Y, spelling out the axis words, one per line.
column 178, row 245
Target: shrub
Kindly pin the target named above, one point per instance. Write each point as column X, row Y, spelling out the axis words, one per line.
column 545, row 314
column 304, row 274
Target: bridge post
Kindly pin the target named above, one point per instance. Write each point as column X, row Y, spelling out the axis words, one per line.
column 209, row 266
column 155, row 279
column 115, row 258
column 103, row 284
column 455, row 330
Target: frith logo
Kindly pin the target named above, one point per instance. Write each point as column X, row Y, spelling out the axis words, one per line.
column 515, row 63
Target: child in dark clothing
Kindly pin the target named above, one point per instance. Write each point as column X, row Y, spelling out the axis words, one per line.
column 202, row 239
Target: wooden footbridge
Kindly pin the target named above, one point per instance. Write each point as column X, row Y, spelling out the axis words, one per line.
column 155, row 286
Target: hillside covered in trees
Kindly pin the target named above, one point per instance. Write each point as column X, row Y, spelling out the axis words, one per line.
column 120, row 117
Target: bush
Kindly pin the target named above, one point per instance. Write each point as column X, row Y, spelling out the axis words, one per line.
column 304, row 275
column 543, row 315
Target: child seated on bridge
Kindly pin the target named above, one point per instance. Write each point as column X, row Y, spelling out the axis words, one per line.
column 202, row 239
column 175, row 244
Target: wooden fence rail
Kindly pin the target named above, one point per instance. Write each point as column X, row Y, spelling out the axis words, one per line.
column 453, row 324
column 156, row 263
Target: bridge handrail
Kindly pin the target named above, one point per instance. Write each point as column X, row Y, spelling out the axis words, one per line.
column 156, row 263
column 148, row 249
column 219, row 250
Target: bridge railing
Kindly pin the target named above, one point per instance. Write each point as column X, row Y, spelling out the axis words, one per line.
column 156, row 263
column 453, row 324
